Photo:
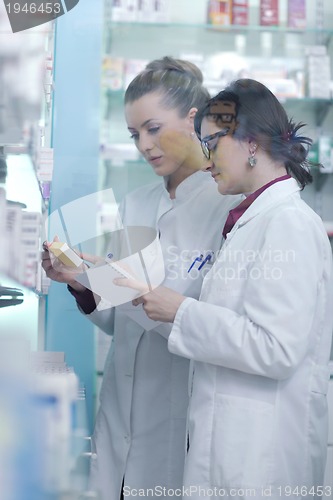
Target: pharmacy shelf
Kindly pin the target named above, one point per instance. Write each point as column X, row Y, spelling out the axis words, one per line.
column 308, row 101
column 284, row 41
column 224, row 28
column 319, row 108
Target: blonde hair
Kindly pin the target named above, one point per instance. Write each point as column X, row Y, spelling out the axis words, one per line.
column 178, row 81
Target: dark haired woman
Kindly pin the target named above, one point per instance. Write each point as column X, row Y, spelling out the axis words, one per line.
column 260, row 334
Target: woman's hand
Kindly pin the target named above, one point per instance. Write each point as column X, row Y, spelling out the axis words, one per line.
column 59, row 273
column 160, row 304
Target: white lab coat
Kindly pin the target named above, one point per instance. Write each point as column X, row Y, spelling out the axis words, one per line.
column 140, row 427
column 260, row 339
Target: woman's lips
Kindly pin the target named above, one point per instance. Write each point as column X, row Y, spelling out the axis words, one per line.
column 155, row 160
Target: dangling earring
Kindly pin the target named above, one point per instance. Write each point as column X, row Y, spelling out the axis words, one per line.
column 192, row 135
column 251, row 159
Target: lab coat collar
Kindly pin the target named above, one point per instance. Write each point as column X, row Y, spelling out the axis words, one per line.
column 188, row 185
column 270, row 196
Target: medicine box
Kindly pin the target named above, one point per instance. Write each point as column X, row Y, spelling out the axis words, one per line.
column 65, row 254
column 269, row 13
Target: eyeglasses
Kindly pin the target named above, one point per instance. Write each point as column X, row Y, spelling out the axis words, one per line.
column 209, row 143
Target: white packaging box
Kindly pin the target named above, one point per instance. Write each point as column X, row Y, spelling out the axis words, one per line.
column 124, row 10
column 325, row 154
column 118, row 10
column 30, row 231
column 315, row 50
column 14, row 246
column 31, row 218
column 46, row 360
column 160, row 11
column 145, row 11
column 320, row 80
column 152, row 11
column 131, row 10
column 319, row 90
column 318, row 75
column 29, row 241
column 3, row 232
column 30, row 264
column 58, row 391
column 44, row 164
column 318, row 61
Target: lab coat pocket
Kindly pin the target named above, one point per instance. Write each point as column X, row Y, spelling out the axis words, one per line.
column 242, row 442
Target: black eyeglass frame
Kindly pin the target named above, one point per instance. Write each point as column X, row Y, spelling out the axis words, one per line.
column 206, row 148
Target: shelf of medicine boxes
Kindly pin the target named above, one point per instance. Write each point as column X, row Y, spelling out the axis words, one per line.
column 28, row 195
column 285, row 41
column 246, row 46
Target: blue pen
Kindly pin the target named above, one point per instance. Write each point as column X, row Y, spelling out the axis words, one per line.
column 209, row 256
column 197, row 259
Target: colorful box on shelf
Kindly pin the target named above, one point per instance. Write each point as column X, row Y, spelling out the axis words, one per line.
column 240, row 12
column 113, row 72
column 219, row 12
column 269, row 13
column 44, row 164
column 44, row 170
column 296, row 14
column 154, row 11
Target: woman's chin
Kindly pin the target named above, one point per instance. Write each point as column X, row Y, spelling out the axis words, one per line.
column 222, row 188
column 159, row 171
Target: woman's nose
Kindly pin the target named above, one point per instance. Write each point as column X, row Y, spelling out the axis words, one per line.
column 207, row 165
column 145, row 144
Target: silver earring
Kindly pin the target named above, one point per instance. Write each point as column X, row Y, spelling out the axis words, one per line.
column 192, row 135
column 251, row 159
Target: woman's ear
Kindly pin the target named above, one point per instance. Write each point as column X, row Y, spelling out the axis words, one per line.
column 191, row 114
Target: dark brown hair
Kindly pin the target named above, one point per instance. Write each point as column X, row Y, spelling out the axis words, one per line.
column 261, row 117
